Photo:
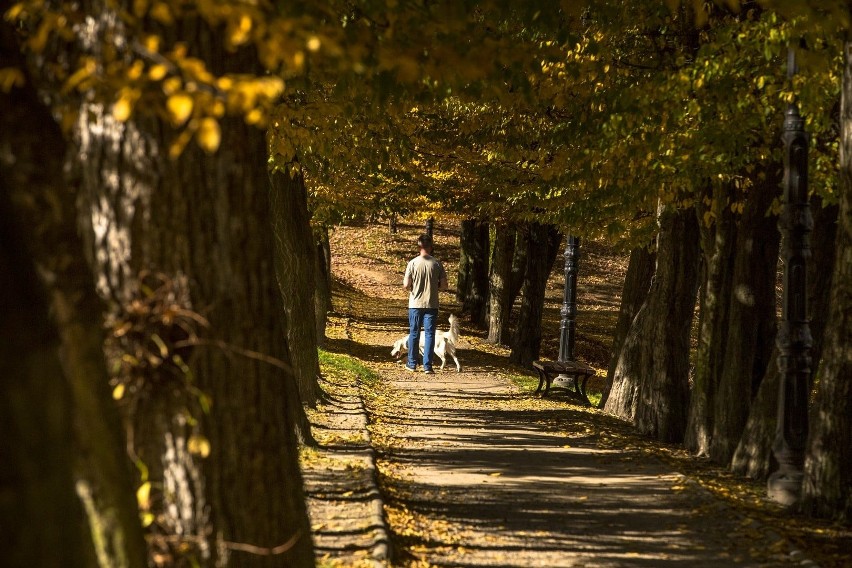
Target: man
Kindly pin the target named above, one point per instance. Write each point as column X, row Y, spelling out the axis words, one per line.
column 424, row 278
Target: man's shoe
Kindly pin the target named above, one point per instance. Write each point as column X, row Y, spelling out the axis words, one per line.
column 410, row 369
column 429, row 371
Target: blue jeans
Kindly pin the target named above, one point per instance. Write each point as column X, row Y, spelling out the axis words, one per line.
column 428, row 319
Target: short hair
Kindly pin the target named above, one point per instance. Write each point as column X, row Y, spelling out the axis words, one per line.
column 424, row 241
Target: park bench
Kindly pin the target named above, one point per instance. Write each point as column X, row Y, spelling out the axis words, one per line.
column 579, row 374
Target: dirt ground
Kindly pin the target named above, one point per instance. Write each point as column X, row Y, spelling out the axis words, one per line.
column 472, row 469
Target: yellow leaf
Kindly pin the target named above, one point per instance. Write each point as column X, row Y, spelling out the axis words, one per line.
column 314, row 43
column 179, row 106
column 157, row 72
column 198, row 445
column 209, row 136
column 162, row 13
column 147, row 519
column 122, row 109
column 143, row 495
column 118, row 391
column 135, row 70
column 495, row 474
column 11, row 77
column 254, row 116
column 240, row 30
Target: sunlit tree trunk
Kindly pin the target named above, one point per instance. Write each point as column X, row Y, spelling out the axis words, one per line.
column 827, row 485
column 501, row 275
column 31, row 174
column 206, row 218
column 637, row 281
column 651, row 384
column 751, row 318
column 542, row 244
column 753, row 456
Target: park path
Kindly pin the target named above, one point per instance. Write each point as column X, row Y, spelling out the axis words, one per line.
column 477, row 472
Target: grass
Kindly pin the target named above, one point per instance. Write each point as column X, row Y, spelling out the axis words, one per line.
column 335, row 364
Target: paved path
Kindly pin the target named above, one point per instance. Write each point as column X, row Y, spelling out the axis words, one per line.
column 477, row 473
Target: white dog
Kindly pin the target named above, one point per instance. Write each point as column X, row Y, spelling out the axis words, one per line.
column 445, row 344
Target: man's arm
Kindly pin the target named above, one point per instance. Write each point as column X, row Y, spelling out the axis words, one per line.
column 406, row 280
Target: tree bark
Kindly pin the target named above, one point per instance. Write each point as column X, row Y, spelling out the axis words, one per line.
column 472, row 285
column 206, row 217
column 651, row 384
column 717, row 244
column 33, row 150
column 519, row 264
column 637, row 281
column 542, row 244
column 827, row 484
column 296, row 268
column 501, row 275
column 751, row 318
column 322, row 297
column 753, row 456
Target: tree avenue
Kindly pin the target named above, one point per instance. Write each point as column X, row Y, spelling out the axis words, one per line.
column 205, row 148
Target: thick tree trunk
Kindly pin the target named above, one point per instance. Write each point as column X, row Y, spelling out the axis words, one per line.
column 542, row 244
column 472, row 286
column 637, row 282
column 751, row 321
column 651, row 383
column 296, row 267
column 33, row 150
column 207, row 217
column 753, row 456
column 501, row 275
column 40, row 516
column 827, row 484
column 717, row 244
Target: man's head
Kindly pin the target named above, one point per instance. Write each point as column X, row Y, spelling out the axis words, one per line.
column 425, row 242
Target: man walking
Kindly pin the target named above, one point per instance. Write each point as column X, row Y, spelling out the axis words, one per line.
column 424, row 278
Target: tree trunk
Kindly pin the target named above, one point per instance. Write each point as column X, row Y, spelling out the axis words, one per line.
column 717, row 244
column 651, row 384
column 501, row 274
column 542, row 244
column 33, row 150
column 753, row 456
column 637, row 281
column 206, row 217
column 519, row 264
column 40, row 516
column 322, row 297
column 295, row 264
column 827, row 484
column 472, row 283
column 751, row 319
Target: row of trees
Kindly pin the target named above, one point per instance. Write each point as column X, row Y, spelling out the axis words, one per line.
column 138, row 182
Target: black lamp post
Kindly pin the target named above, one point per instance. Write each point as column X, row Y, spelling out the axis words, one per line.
column 794, row 335
column 569, row 300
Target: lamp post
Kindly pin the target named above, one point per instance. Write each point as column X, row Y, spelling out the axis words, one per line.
column 569, row 300
column 430, row 223
column 794, row 336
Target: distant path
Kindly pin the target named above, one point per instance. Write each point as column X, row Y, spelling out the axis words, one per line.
column 476, row 473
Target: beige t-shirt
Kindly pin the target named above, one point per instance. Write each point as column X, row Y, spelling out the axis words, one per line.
column 425, row 274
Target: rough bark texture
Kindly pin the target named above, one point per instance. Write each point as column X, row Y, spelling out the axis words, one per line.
column 637, row 282
column 753, row 456
column 472, row 291
column 651, row 385
column 206, row 217
column 32, row 149
column 827, row 485
column 501, row 276
column 751, row 321
column 717, row 244
column 542, row 244
column 295, row 264
column 519, row 264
